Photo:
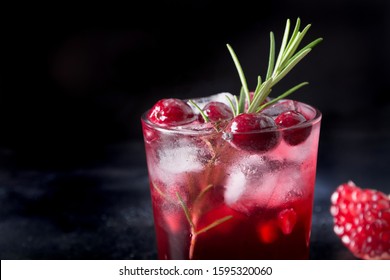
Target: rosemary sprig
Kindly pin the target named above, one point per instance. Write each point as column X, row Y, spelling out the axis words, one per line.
column 206, row 118
column 194, row 231
column 160, row 192
column 240, row 72
column 187, row 213
column 214, row 224
column 186, row 210
column 203, row 192
column 288, row 57
column 283, row 95
column 193, row 216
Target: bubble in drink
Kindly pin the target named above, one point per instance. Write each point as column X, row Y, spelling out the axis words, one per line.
column 234, row 187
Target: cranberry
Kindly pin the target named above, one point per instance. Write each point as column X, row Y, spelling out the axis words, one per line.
column 362, row 220
column 293, row 136
column 171, row 112
column 253, row 132
column 216, row 111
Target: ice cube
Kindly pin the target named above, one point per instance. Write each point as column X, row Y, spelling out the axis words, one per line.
column 263, row 189
column 253, row 166
column 280, row 107
column 262, row 182
column 303, row 153
column 288, row 182
column 181, row 156
column 246, row 170
column 235, row 187
column 247, row 186
column 219, row 97
column 198, row 126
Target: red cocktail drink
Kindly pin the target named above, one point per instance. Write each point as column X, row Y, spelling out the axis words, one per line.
column 213, row 199
column 233, row 177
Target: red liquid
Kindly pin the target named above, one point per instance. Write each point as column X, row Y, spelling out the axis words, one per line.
column 214, row 201
column 257, row 236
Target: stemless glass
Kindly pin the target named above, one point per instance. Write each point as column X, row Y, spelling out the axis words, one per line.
column 214, row 200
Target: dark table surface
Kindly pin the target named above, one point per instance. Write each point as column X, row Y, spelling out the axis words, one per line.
column 101, row 209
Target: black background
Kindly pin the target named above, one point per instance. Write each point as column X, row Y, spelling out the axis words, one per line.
column 75, row 80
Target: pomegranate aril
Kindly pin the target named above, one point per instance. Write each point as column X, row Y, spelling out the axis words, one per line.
column 171, row 112
column 287, row 219
column 253, row 132
column 293, row 136
column 268, row 232
column 362, row 220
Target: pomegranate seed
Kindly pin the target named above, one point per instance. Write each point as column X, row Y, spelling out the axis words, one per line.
column 362, row 220
column 253, row 132
column 171, row 112
column 293, row 136
column 268, row 232
column 287, row 219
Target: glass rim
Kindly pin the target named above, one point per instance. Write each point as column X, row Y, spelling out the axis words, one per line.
column 181, row 129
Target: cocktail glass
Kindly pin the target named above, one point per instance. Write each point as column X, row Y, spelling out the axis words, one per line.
column 214, row 200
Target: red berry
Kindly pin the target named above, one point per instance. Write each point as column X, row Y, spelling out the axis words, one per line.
column 171, row 112
column 216, row 111
column 293, row 136
column 268, row 232
column 287, row 219
column 253, row 132
column 362, row 220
